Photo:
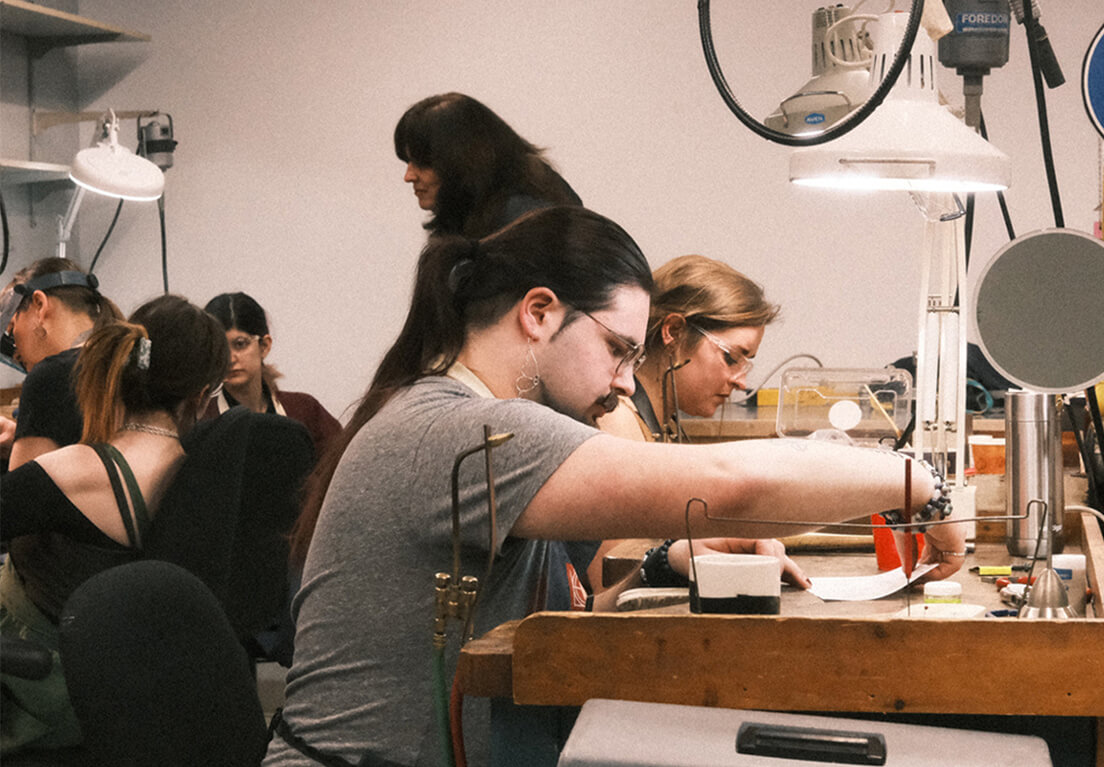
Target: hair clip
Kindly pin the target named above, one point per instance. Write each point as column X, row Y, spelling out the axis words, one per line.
column 459, row 274
column 144, row 348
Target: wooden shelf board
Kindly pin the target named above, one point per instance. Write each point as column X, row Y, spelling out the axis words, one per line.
column 13, row 172
column 31, row 20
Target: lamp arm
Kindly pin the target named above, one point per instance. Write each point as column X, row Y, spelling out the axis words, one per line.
column 65, row 223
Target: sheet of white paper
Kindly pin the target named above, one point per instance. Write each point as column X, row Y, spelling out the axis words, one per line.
column 860, row 588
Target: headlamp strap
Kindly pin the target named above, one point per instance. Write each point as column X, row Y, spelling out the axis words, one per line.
column 56, row 280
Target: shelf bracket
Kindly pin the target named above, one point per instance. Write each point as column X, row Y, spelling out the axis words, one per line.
column 41, row 120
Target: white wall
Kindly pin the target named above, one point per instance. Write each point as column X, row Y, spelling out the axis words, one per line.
column 286, row 184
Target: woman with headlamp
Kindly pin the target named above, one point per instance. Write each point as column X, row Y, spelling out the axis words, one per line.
column 47, row 311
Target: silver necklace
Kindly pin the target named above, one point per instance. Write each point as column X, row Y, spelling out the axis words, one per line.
column 134, row 426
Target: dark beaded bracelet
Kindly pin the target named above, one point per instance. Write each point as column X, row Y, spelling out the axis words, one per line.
column 657, row 571
column 939, row 507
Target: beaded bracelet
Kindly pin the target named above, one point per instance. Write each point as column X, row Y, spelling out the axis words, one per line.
column 656, row 571
column 939, row 507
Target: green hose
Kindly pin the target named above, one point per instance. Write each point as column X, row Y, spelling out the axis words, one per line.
column 441, row 702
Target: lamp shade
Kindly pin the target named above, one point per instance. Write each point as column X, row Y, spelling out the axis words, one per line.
column 113, row 170
column 910, row 142
column 841, row 79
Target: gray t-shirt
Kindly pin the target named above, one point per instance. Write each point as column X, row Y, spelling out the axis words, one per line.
column 361, row 677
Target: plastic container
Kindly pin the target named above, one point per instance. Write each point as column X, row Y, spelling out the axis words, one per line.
column 943, row 592
column 1071, row 569
column 867, row 405
column 740, row 584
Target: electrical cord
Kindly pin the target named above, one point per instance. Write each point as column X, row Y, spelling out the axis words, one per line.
column 1000, row 193
column 749, row 393
column 164, row 248
column 456, row 723
column 846, row 125
column 1030, row 24
column 110, row 229
column 1086, row 509
column 7, row 234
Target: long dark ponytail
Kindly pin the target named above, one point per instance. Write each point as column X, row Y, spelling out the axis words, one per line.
column 466, row 284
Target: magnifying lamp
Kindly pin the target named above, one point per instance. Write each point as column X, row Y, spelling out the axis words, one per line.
column 111, row 170
column 911, row 142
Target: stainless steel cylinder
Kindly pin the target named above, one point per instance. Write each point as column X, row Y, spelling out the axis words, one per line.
column 1033, row 472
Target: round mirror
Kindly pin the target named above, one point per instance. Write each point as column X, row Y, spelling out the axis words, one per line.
column 1039, row 311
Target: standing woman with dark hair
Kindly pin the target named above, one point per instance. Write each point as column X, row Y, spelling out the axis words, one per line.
column 251, row 380
column 47, row 311
column 470, row 169
column 140, row 386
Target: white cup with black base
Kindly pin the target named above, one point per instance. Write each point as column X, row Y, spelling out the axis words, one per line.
column 735, row 584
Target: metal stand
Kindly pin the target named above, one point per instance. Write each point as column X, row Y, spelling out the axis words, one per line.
column 941, row 351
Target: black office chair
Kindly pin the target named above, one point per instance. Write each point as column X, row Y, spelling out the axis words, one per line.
column 156, row 674
column 227, row 513
column 224, row 520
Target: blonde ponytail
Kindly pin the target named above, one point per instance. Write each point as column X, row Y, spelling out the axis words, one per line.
column 106, row 359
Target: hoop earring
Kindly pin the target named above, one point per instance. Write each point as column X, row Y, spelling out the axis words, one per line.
column 526, row 381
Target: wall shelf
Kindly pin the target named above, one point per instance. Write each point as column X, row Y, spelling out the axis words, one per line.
column 15, row 172
column 44, row 29
column 50, row 28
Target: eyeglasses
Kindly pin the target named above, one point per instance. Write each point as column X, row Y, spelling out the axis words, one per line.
column 241, row 343
column 738, row 361
column 632, row 354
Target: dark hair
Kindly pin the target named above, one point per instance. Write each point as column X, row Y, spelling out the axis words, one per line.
column 240, row 311
column 83, row 299
column 480, row 160
column 467, row 284
column 187, row 353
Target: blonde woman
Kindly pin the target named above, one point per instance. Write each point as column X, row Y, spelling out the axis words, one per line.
column 705, row 326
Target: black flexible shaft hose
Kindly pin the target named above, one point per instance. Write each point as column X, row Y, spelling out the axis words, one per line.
column 1030, row 23
column 849, row 123
column 1000, row 193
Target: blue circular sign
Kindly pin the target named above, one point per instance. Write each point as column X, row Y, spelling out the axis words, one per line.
column 1092, row 81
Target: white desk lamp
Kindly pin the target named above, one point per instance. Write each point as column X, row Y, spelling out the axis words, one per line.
column 112, row 170
column 913, row 143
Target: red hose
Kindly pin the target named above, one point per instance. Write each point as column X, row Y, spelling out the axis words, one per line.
column 456, row 723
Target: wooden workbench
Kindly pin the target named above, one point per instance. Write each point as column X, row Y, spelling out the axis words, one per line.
column 852, row 657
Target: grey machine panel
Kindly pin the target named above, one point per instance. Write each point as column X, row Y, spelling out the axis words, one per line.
column 616, row 733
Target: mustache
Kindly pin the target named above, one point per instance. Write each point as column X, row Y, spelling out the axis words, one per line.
column 609, row 402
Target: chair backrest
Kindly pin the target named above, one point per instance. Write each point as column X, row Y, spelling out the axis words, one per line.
column 196, row 523
column 226, row 515
column 278, row 459
column 155, row 672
